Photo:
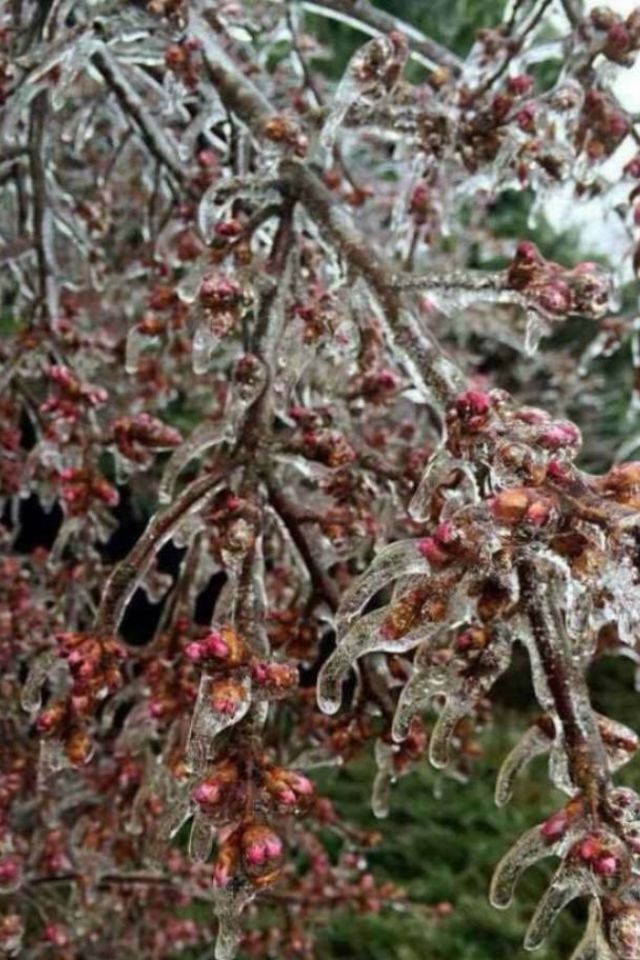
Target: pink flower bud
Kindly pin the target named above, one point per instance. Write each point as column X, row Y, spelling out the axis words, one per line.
column 431, row 550
column 214, row 646
column 9, row 870
column 520, row 84
column 194, row 651
column 606, row 865
column 206, row 794
column 555, row 827
column 561, row 433
column 473, row 404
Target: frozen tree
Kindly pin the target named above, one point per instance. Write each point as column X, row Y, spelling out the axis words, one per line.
column 289, row 512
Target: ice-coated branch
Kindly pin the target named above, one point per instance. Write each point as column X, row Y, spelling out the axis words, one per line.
column 132, row 105
column 127, row 574
column 41, row 217
column 418, row 350
column 586, row 755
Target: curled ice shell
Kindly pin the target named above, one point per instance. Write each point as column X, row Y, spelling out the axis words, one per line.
column 214, row 711
column 439, row 470
column 421, row 686
column 465, row 693
column 204, row 437
column 366, row 636
column 126, row 576
column 398, row 559
column 567, row 884
column 529, row 849
column 533, row 743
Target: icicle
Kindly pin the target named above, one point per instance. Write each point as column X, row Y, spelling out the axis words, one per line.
column 412, row 699
column 329, row 690
column 220, row 704
column 533, row 743
column 200, row 838
column 384, row 778
column 39, row 668
column 450, row 715
column 230, row 901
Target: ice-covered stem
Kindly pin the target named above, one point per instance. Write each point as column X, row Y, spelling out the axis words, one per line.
column 237, row 92
column 132, row 105
column 369, row 19
column 586, row 757
column 128, row 572
column 420, row 353
column 37, row 173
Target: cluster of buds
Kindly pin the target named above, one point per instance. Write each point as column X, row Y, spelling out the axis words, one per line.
column 137, row 435
column 83, row 488
column 593, row 857
column 95, row 669
column 621, row 35
column 556, row 290
column 253, row 848
column 218, row 648
column 181, row 59
column 602, row 125
column 73, row 395
column 286, row 133
column 376, row 386
column 329, row 447
column 172, row 688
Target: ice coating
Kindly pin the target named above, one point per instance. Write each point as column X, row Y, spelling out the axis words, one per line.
column 200, row 837
column 219, row 705
column 204, row 437
column 567, row 884
column 383, row 779
column 533, row 743
column 404, row 557
column 229, row 903
column 529, row 849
